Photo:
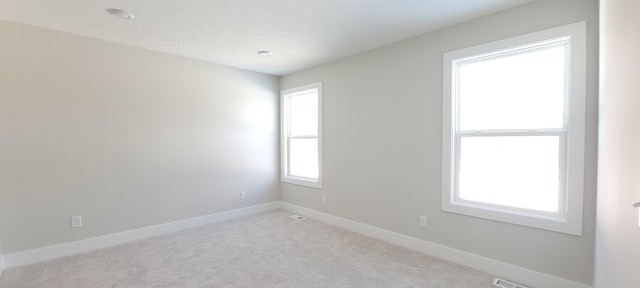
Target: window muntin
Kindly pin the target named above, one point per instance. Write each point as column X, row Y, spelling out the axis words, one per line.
column 513, row 129
column 301, row 135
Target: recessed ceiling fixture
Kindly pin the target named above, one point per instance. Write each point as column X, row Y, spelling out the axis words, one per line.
column 121, row 14
column 264, row 53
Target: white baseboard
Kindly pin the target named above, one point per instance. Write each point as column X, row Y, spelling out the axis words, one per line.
column 501, row 269
column 51, row 252
column 504, row 270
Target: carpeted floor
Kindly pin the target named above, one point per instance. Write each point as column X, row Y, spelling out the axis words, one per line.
column 265, row 250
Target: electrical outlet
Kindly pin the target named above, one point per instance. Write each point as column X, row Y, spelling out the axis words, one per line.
column 243, row 195
column 423, row 221
column 76, row 221
column 324, row 199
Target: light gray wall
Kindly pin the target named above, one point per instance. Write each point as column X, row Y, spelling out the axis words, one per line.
column 124, row 137
column 617, row 231
column 382, row 143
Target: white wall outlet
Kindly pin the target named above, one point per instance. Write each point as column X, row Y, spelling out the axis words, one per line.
column 324, row 199
column 243, row 195
column 423, row 221
column 76, row 221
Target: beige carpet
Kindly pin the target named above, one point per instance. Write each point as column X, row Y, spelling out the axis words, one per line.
column 265, row 250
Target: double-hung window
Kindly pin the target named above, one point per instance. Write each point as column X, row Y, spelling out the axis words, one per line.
column 302, row 135
column 513, row 129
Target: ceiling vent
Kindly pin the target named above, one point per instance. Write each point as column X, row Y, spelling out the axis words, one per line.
column 122, row 14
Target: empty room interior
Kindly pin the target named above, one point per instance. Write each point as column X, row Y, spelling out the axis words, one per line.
column 415, row 143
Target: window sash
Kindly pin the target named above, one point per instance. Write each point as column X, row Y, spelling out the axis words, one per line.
column 305, row 93
column 562, row 162
column 560, row 132
column 289, row 158
column 564, row 41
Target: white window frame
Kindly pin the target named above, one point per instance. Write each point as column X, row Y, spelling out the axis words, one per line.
column 284, row 120
column 569, row 219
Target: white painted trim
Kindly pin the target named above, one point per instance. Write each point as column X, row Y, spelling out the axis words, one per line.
column 495, row 267
column 51, row 252
column 569, row 217
column 284, row 137
column 501, row 269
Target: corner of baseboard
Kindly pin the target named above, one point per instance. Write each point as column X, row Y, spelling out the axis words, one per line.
column 66, row 249
column 488, row 265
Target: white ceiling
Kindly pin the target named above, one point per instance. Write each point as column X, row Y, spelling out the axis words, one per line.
column 300, row 33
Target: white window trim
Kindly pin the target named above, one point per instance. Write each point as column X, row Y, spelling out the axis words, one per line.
column 571, row 221
column 285, row 177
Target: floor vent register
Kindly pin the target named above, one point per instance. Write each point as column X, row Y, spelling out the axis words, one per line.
column 506, row 284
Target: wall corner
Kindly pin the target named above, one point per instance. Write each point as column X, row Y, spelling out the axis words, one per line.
column 1, row 264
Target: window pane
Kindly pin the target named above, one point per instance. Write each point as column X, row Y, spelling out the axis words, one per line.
column 304, row 113
column 303, row 158
column 521, row 91
column 517, row 171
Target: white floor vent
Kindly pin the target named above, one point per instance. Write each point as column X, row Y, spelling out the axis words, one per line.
column 506, row 284
column 298, row 217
